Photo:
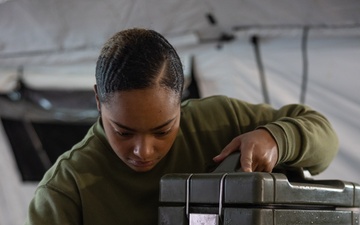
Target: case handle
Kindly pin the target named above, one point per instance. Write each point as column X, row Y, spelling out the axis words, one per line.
column 232, row 164
column 229, row 164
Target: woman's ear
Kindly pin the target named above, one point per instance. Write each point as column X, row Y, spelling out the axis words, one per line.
column 97, row 99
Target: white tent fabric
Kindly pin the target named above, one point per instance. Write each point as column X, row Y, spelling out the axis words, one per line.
column 44, row 32
column 54, row 44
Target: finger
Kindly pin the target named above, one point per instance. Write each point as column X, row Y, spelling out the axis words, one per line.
column 257, row 168
column 267, row 168
column 262, row 165
column 234, row 145
column 246, row 161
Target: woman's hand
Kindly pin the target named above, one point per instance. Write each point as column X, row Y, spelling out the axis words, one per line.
column 258, row 151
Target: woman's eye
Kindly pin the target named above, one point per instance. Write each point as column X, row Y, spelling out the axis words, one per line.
column 162, row 133
column 123, row 134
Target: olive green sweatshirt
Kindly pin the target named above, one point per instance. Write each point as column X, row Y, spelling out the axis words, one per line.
column 89, row 184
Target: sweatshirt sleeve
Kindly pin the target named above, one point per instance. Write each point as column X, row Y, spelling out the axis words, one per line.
column 305, row 138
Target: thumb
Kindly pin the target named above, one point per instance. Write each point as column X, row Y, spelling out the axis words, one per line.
column 230, row 148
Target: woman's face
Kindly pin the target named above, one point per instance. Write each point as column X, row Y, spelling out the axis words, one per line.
column 141, row 125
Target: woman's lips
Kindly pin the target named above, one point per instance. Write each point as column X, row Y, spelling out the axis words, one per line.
column 142, row 163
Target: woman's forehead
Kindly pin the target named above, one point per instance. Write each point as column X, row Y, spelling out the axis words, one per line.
column 154, row 96
column 144, row 107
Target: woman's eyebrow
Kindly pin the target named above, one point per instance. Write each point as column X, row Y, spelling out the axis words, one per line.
column 152, row 129
column 122, row 126
column 163, row 125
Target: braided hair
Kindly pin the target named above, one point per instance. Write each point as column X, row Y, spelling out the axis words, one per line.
column 137, row 59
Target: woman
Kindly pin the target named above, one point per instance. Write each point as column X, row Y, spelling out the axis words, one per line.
column 144, row 131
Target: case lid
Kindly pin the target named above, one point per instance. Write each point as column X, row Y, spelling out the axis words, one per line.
column 256, row 188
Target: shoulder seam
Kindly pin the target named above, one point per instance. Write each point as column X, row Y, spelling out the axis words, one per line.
column 58, row 190
column 47, row 183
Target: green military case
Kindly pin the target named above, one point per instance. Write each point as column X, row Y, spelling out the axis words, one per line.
column 256, row 198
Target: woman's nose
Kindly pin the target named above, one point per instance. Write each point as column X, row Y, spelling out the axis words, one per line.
column 144, row 148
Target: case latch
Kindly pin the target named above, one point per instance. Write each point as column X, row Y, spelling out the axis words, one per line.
column 202, row 218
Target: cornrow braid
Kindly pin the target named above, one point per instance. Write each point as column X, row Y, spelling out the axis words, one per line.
column 132, row 59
